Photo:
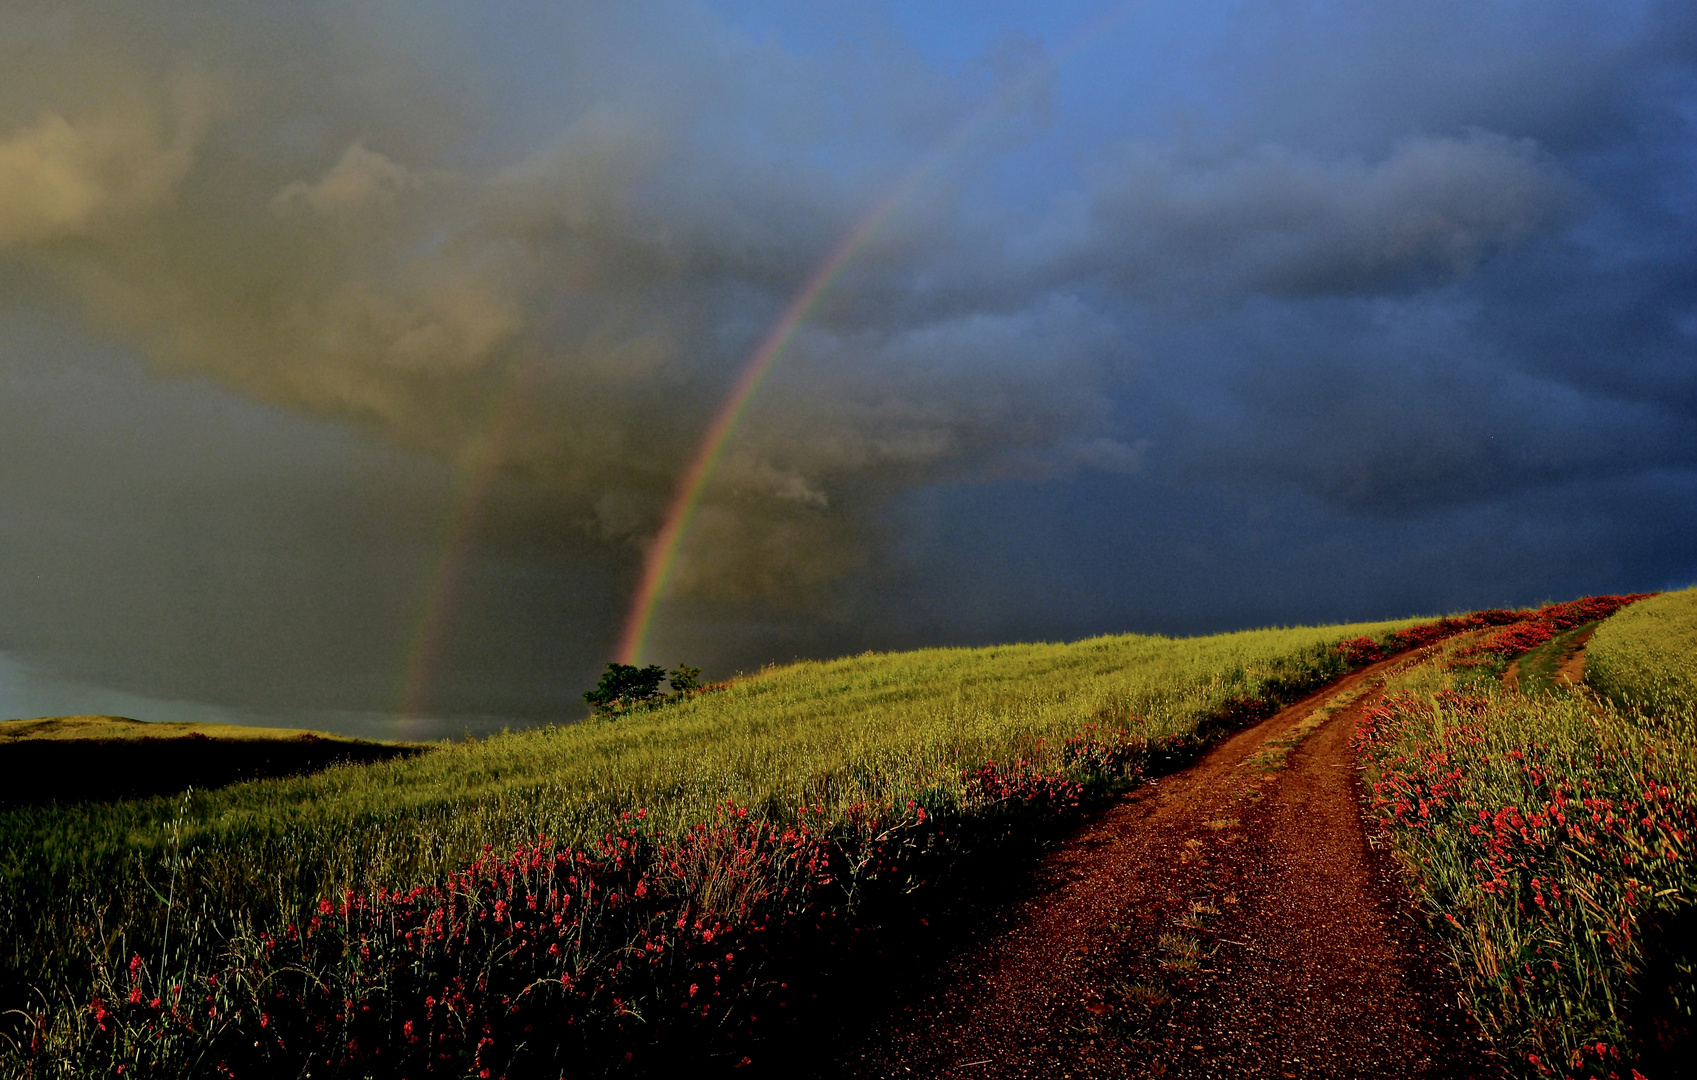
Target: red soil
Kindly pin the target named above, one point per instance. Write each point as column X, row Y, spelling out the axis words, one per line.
column 1572, row 668
column 1313, row 966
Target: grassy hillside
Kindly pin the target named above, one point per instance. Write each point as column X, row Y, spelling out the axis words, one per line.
column 1646, row 656
column 170, row 879
column 826, row 733
column 670, row 866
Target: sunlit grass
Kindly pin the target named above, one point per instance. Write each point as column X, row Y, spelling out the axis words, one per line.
column 108, row 728
column 1647, row 654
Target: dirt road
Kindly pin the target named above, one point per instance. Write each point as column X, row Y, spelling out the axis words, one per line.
column 1227, row 921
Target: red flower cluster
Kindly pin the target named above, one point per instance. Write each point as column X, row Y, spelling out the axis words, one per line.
column 1545, row 623
column 1110, row 755
column 1523, row 630
column 1358, row 651
column 1415, row 637
column 1023, row 786
column 554, row 957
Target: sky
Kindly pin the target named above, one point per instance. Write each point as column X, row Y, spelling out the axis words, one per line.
column 371, row 366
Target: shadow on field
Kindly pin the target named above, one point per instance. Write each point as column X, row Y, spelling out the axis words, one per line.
column 45, row 771
column 1660, row 1022
column 847, row 985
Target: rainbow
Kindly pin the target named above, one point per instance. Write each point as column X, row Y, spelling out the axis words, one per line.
column 478, row 466
column 663, row 551
column 662, row 554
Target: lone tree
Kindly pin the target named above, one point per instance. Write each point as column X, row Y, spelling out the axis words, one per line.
column 624, row 687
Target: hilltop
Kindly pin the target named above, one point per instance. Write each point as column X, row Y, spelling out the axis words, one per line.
column 73, row 759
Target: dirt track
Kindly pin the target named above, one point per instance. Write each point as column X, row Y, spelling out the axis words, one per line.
column 1227, row 921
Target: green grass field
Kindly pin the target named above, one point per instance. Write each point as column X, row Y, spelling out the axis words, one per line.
column 1647, row 655
column 96, row 878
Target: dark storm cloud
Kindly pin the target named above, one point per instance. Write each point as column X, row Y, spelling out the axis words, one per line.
column 1398, row 267
column 1394, row 406
column 621, row 270
column 1423, row 321
column 1284, row 223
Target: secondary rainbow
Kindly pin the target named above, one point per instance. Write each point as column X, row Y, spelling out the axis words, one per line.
column 479, row 464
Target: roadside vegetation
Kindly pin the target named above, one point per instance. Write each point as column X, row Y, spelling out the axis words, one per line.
column 1549, row 832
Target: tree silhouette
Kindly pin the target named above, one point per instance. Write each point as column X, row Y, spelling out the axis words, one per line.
column 624, row 687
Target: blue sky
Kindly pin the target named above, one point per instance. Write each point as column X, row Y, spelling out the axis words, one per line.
column 351, row 354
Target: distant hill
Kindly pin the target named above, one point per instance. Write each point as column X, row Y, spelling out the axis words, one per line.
column 123, row 727
column 67, row 759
